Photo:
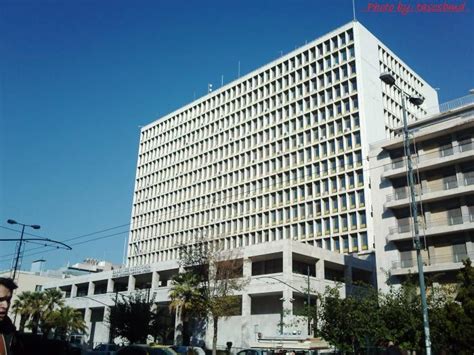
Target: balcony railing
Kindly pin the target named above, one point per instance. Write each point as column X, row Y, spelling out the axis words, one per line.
column 434, row 260
column 442, row 222
column 441, row 152
column 446, row 184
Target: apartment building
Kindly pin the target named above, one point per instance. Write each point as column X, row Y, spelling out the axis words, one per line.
column 277, row 154
column 443, row 155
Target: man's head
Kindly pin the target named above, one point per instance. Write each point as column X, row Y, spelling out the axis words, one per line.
column 7, row 286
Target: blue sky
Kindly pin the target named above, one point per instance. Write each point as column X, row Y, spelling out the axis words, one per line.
column 78, row 79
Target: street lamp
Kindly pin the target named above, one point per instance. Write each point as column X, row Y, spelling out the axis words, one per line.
column 388, row 79
column 34, row 226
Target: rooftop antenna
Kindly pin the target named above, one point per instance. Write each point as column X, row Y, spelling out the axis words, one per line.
column 353, row 11
column 238, row 70
column 209, row 88
column 222, row 80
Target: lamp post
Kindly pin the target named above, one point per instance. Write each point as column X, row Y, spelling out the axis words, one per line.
column 388, row 79
column 18, row 252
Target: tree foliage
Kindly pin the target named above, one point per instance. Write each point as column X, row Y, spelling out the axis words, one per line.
column 352, row 322
column 131, row 317
column 207, row 286
column 45, row 311
column 371, row 318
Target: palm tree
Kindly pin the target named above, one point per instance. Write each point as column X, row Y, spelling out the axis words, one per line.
column 67, row 320
column 37, row 302
column 52, row 299
column 185, row 295
column 22, row 306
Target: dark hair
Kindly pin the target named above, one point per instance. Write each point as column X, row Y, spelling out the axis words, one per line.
column 8, row 283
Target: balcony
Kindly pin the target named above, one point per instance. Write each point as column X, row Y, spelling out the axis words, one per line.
column 436, row 263
column 449, row 224
column 448, row 187
column 443, row 156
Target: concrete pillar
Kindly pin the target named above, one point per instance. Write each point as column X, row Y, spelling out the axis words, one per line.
column 73, row 290
column 91, row 288
column 105, row 320
column 287, row 309
column 348, row 276
column 247, row 267
column 87, row 320
column 469, row 246
column 465, row 212
column 287, row 263
column 110, row 285
column 131, row 283
column 431, row 254
column 246, row 305
column 459, row 176
column 155, row 280
column 320, row 270
column 87, row 316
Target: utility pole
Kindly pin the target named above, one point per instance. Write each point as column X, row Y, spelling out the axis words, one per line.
column 308, row 300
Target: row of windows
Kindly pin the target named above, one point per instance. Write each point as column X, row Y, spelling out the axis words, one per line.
column 266, row 159
column 336, row 224
column 406, row 79
column 176, row 191
column 296, row 99
column 254, row 133
column 233, row 218
column 392, row 97
column 203, row 153
column 271, row 175
column 223, row 205
column 238, row 89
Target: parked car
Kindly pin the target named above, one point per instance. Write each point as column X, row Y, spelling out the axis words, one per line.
column 104, row 349
column 188, row 350
column 142, row 349
column 255, row 352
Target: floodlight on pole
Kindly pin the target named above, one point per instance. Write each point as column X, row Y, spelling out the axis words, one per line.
column 388, row 79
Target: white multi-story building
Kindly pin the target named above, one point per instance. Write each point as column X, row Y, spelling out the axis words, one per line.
column 277, row 154
column 273, row 167
column 444, row 173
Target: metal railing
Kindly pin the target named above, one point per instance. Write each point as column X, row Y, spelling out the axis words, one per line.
column 434, row 260
column 448, row 183
column 456, row 103
column 441, row 152
column 441, row 222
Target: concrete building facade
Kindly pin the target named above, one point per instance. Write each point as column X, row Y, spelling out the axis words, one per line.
column 444, row 166
column 277, row 279
column 277, row 154
column 271, row 166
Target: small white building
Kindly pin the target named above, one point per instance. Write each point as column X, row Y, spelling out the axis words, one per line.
column 278, row 279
